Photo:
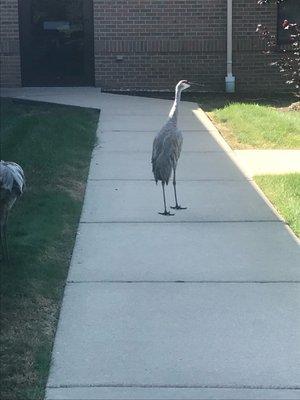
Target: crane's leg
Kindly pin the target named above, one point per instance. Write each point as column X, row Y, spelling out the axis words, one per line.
column 164, row 195
column 3, row 236
column 2, row 242
column 177, row 206
column 5, row 244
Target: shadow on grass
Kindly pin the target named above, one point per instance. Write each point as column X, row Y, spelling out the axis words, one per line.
column 211, row 101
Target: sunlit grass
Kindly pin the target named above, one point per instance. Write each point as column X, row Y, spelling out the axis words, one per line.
column 247, row 126
column 284, row 192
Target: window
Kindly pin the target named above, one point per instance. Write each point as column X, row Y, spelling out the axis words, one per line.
column 290, row 10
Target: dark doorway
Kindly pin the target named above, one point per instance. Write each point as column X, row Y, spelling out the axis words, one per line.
column 57, row 42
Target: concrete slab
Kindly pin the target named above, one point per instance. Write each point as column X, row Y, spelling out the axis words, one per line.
column 140, row 201
column 142, row 141
column 259, row 162
column 137, row 165
column 76, row 96
column 122, row 105
column 158, row 252
column 146, row 123
column 134, row 393
column 184, row 334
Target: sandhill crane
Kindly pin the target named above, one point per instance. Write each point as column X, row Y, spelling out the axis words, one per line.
column 12, row 184
column 167, row 147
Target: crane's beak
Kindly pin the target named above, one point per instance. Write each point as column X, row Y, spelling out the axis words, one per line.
column 195, row 84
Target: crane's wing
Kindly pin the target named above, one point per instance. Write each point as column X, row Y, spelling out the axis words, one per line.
column 165, row 153
column 12, row 176
column 169, row 143
column 171, row 146
column 158, row 147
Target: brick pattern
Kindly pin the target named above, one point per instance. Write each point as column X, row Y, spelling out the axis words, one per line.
column 10, row 73
column 252, row 68
column 160, row 42
column 151, row 44
column 116, row 19
column 254, row 74
column 160, row 72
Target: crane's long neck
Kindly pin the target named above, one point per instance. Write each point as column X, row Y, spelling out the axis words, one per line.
column 174, row 110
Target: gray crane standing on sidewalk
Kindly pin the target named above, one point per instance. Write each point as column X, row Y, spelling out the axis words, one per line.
column 167, row 147
column 12, row 185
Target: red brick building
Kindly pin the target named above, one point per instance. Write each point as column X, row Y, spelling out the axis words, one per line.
column 135, row 44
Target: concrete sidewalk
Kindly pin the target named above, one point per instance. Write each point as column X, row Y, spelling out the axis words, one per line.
column 202, row 305
column 260, row 162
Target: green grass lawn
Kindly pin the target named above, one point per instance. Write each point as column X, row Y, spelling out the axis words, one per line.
column 284, row 193
column 255, row 123
column 53, row 144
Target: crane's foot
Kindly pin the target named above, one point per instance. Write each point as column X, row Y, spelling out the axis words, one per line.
column 177, row 207
column 167, row 213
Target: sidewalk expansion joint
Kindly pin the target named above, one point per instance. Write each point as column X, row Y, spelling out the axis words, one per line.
column 146, row 386
column 187, row 222
column 242, row 179
column 148, row 131
column 187, row 281
column 101, row 148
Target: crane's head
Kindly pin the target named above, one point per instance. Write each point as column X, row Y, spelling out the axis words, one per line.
column 182, row 85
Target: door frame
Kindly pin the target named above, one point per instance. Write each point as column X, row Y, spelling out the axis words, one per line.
column 89, row 57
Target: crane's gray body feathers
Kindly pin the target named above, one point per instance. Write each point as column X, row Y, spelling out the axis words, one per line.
column 12, row 185
column 12, row 178
column 166, row 151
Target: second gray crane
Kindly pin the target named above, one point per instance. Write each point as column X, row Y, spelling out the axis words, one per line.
column 167, row 147
column 12, row 184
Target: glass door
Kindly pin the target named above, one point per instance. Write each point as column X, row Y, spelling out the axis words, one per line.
column 56, row 42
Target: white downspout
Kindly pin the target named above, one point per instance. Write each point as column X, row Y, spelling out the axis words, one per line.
column 229, row 79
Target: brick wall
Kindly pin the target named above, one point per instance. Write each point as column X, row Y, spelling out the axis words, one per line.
column 10, row 72
column 151, row 44
column 160, row 42
column 252, row 68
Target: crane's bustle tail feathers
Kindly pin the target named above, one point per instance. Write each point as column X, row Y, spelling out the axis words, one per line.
column 12, row 176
